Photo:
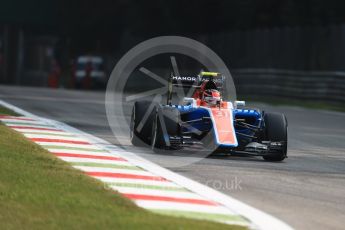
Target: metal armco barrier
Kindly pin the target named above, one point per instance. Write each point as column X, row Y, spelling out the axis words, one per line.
column 300, row 85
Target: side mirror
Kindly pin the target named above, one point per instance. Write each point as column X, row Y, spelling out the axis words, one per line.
column 189, row 101
column 240, row 104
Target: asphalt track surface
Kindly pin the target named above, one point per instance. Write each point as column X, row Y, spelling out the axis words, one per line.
column 307, row 190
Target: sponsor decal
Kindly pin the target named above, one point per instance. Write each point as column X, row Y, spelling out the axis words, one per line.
column 179, row 78
column 193, row 79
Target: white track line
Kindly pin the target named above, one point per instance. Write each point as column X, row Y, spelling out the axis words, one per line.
column 54, row 137
column 68, row 145
column 28, row 131
column 137, row 181
column 31, row 126
column 183, row 207
column 112, row 170
column 155, row 192
column 20, row 122
column 87, row 160
column 56, row 150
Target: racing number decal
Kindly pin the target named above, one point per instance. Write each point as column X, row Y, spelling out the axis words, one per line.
column 220, row 113
column 224, row 128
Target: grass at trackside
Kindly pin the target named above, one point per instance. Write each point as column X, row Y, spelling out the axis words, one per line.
column 291, row 102
column 5, row 111
column 39, row 191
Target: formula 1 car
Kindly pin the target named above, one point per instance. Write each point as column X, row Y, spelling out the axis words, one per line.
column 208, row 120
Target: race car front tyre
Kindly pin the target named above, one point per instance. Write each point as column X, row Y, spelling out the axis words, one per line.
column 166, row 124
column 141, row 123
column 276, row 131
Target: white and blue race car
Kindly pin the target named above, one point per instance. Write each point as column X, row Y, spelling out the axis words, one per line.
column 206, row 119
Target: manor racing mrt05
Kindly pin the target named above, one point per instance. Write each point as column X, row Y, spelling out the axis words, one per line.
column 206, row 119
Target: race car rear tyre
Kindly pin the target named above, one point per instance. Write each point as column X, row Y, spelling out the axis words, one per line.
column 141, row 136
column 276, row 130
column 165, row 119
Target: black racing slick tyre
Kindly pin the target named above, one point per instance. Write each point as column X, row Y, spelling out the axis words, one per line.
column 141, row 123
column 276, row 130
column 166, row 124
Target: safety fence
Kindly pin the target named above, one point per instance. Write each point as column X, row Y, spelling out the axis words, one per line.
column 311, row 86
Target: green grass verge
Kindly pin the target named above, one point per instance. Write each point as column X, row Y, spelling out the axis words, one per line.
column 6, row 111
column 291, row 102
column 39, row 191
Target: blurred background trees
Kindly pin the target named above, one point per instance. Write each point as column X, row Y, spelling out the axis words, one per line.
column 289, row 34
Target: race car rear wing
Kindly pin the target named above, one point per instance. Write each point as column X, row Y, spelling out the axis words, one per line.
column 193, row 81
